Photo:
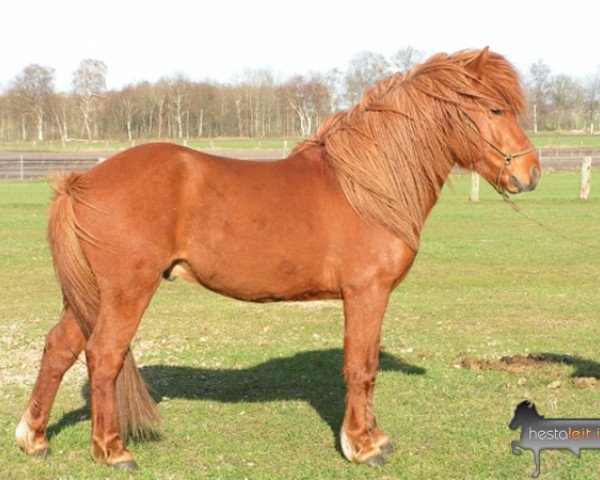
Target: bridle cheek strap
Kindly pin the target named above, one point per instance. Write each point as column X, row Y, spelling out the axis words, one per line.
column 508, row 157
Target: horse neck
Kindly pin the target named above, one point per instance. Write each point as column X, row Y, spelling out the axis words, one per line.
column 434, row 192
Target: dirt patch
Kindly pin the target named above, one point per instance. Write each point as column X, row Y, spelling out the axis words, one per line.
column 512, row 364
column 586, row 382
column 527, row 364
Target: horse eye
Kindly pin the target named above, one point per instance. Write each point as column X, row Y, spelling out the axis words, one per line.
column 496, row 111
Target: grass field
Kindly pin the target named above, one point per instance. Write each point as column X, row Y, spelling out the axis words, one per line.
column 556, row 140
column 256, row 391
column 232, row 143
column 540, row 140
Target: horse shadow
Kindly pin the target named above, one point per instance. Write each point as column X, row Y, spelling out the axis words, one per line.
column 312, row 376
column 582, row 367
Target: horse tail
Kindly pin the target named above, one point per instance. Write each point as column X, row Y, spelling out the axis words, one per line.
column 137, row 413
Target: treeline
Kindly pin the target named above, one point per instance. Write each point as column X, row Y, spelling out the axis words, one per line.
column 255, row 105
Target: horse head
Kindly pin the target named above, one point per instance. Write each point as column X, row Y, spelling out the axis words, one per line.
column 524, row 413
column 502, row 153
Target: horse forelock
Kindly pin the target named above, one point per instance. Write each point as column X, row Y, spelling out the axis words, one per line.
column 393, row 150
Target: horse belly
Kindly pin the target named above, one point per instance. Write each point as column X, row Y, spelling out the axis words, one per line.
column 253, row 237
column 255, row 265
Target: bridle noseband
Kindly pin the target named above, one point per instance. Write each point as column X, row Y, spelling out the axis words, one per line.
column 508, row 157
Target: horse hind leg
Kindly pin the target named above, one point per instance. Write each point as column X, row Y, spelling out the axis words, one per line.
column 106, row 349
column 63, row 345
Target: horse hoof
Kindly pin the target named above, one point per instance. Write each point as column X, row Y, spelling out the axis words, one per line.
column 376, row 461
column 387, row 448
column 126, row 466
column 42, row 452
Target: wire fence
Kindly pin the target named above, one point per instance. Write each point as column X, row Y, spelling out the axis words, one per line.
column 36, row 165
column 28, row 166
column 567, row 158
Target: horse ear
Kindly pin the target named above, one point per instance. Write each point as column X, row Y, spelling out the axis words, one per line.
column 476, row 65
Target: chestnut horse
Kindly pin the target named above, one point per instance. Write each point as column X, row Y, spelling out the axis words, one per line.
column 340, row 218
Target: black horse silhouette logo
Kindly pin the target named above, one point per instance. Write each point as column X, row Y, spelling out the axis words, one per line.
column 539, row 433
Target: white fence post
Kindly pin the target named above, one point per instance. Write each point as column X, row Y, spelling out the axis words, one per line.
column 21, row 167
column 586, row 178
column 474, row 196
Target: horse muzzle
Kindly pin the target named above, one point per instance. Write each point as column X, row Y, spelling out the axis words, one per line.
column 520, row 186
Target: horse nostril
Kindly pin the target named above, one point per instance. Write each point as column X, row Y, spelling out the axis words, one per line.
column 535, row 176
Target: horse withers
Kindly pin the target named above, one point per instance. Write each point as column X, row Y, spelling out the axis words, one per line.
column 340, row 218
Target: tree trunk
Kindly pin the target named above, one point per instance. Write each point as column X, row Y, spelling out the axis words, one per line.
column 40, row 127
column 23, row 129
column 86, row 125
column 160, row 117
column 238, row 109
column 201, row 123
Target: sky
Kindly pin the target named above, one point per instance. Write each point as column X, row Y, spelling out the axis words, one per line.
column 220, row 40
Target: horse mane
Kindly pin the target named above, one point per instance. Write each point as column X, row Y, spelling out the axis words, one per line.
column 393, row 151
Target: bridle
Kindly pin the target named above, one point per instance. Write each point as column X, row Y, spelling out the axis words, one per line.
column 507, row 156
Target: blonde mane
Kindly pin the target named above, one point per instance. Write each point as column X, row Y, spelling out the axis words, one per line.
column 393, row 151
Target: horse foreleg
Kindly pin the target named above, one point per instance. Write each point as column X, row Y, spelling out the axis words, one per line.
column 361, row 439
column 378, row 437
column 63, row 345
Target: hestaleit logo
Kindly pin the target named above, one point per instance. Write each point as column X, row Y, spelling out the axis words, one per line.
column 539, row 433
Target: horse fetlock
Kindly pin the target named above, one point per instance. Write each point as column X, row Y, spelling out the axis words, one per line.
column 381, row 440
column 30, row 441
column 114, row 455
column 361, row 449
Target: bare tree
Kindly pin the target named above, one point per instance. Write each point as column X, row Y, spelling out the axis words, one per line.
column 591, row 104
column 563, row 94
column 256, row 104
column 7, row 114
column 406, row 58
column 147, row 107
column 333, row 82
column 365, row 69
column 61, row 105
column 205, row 105
column 33, row 88
column 159, row 97
column 539, row 85
column 129, row 105
column 89, row 83
column 309, row 97
column 179, row 87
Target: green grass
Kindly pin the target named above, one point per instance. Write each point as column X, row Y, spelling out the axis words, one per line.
column 555, row 140
column 540, row 140
column 255, row 391
column 233, row 143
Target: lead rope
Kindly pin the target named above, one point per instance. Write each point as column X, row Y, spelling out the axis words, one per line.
column 545, row 226
column 508, row 158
